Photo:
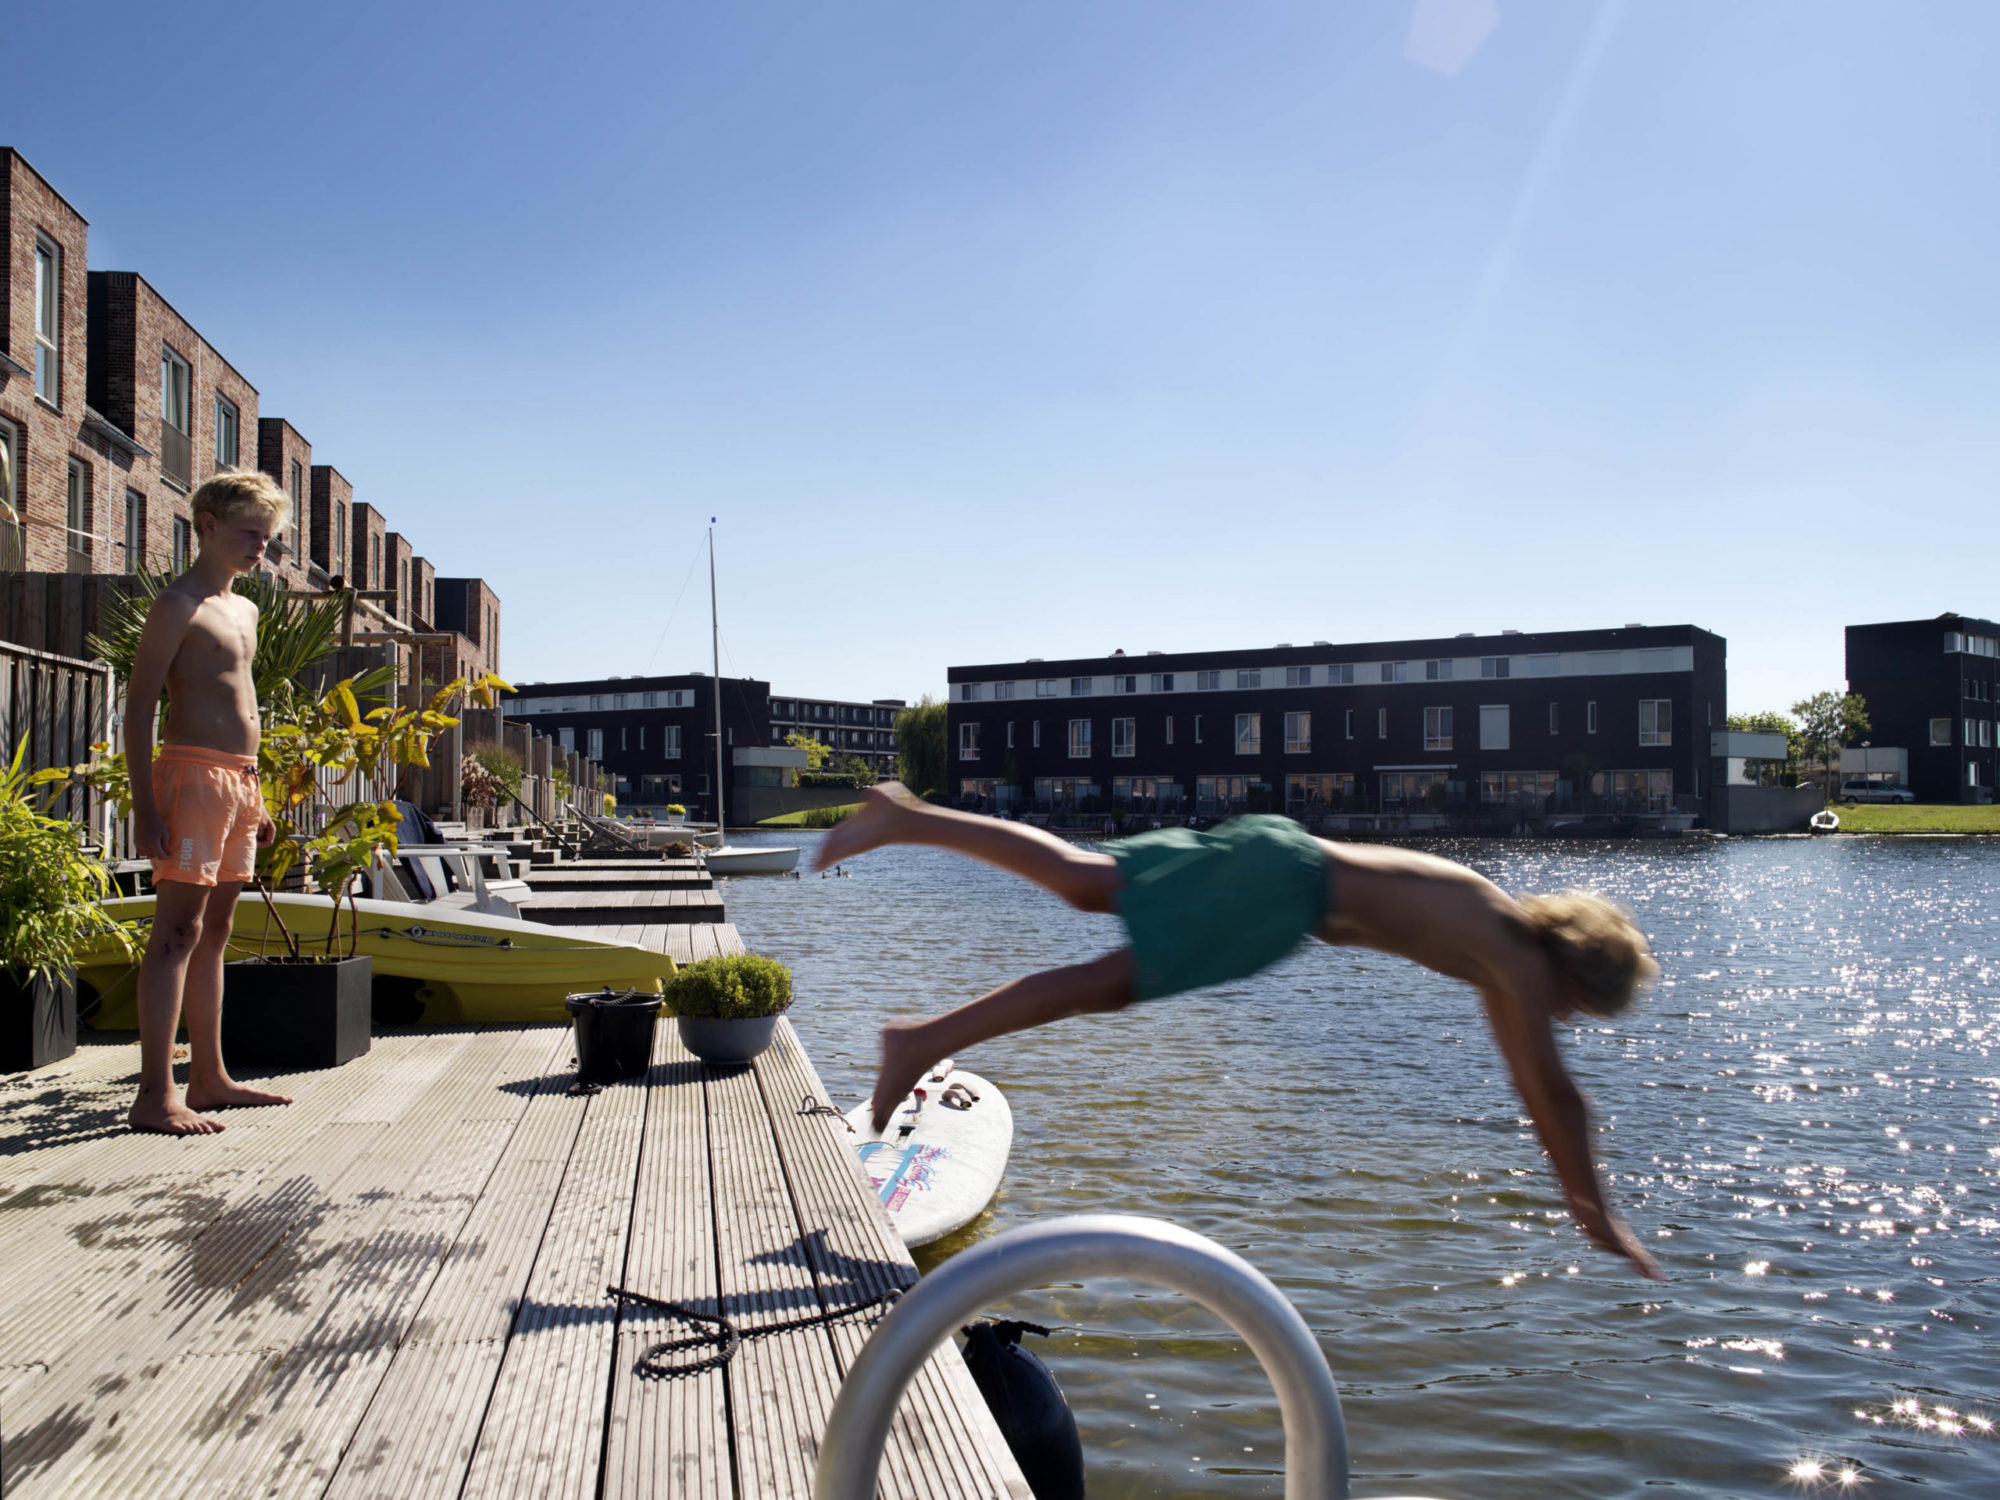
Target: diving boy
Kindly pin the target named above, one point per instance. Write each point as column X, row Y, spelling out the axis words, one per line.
column 196, row 810
column 1202, row 908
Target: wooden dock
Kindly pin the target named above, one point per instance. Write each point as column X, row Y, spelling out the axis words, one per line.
column 396, row 1286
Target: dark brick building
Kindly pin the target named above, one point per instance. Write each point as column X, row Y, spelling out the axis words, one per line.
column 470, row 607
column 284, row 454
column 368, row 535
column 332, row 522
column 864, row 730
column 1929, row 686
column 1607, row 720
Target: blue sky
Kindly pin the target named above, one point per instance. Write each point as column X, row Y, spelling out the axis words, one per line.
column 1041, row 330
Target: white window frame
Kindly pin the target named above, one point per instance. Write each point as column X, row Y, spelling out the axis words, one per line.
column 48, row 320
column 1438, row 727
column 135, row 531
column 1651, row 711
column 76, row 507
column 183, row 554
column 1505, row 738
column 176, row 392
column 968, row 741
column 1079, row 739
column 596, row 745
column 670, row 742
column 229, row 419
column 1250, row 734
column 1124, row 738
column 1298, row 732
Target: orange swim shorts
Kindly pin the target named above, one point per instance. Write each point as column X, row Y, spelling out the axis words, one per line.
column 213, row 809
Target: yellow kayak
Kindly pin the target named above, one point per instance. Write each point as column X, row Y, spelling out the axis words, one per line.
column 472, row 968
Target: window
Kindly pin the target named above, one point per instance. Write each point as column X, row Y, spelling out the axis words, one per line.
column 1971, row 733
column 1395, row 671
column 1940, row 731
column 968, row 742
column 1495, row 727
column 617, row 700
column 670, row 742
column 1250, row 677
column 1437, row 729
column 1079, row 739
column 1035, row 733
column 1349, row 725
column 76, row 524
column 597, row 700
column 226, row 447
column 1542, row 666
column 340, row 563
column 621, row 737
column 1079, row 687
column 135, row 531
column 1590, row 717
column 1207, row 681
column 174, row 385
column 298, row 494
column 1298, row 733
column 1045, row 687
column 1197, row 729
column 375, row 562
column 1249, row 734
column 597, row 744
column 1298, row 676
column 968, row 692
column 183, row 544
column 13, row 534
column 1124, row 737
column 1170, row 729
column 1010, row 735
column 1496, row 666
column 48, row 321
column 1001, row 690
column 1656, row 721
column 1163, row 682
column 1438, row 671
column 566, row 738
column 1381, row 723
column 1554, row 721
column 1341, row 675
column 1126, row 684
column 642, row 736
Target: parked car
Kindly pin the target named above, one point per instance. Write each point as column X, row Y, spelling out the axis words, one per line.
column 1857, row 789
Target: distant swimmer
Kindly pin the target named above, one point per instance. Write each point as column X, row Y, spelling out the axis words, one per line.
column 1205, row 907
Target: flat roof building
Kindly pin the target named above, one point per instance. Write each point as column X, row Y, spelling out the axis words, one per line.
column 1493, row 728
column 1929, row 686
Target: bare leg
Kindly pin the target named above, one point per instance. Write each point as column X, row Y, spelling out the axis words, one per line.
column 209, row 1083
column 1053, row 995
column 177, row 914
column 890, row 815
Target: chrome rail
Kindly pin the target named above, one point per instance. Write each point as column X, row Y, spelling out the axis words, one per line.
column 1149, row 1250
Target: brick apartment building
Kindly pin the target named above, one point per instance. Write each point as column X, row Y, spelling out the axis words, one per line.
column 469, row 608
column 1930, row 686
column 1610, row 720
column 114, row 409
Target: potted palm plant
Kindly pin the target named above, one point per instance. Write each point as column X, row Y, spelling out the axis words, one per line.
column 50, row 890
column 727, row 1008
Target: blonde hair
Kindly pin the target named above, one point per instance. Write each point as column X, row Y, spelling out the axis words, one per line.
column 1596, row 944
column 235, row 493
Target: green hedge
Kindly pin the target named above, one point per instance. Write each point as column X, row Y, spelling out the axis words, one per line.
column 845, row 780
column 736, row 988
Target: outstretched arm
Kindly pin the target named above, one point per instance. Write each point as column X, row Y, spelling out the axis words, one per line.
column 1562, row 1120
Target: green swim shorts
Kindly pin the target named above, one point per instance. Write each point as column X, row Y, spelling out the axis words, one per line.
column 1203, row 908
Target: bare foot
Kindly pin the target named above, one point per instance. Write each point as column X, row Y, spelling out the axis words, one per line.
column 883, row 808
column 229, row 1094
column 173, row 1118
column 903, row 1066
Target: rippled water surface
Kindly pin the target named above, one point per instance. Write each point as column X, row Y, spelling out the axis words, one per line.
column 1800, row 1121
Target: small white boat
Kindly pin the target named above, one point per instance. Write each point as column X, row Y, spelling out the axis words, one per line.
column 750, row 859
column 1826, row 820
column 941, row 1160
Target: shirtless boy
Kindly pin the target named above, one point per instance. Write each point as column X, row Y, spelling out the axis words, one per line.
column 197, row 810
column 1205, row 908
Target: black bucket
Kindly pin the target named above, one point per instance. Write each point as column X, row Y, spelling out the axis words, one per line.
column 614, row 1033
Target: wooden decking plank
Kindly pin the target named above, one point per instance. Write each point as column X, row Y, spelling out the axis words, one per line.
column 292, row 1255
column 544, row 1429
column 668, row 1439
column 945, row 1441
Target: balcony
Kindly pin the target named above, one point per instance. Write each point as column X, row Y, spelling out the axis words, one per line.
column 176, row 456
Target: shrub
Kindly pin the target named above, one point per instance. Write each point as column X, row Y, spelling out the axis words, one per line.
column 826, row 817
column 739, row 987
column 851, row 781
column 501, row 762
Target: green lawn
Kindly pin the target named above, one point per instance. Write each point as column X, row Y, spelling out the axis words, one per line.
column 1904, row 817
column 812, row 817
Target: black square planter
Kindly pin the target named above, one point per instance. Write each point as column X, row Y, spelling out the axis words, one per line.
column 37, row 1019
column 280, row 1014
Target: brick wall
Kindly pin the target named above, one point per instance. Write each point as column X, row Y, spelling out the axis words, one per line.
column 367, row 548
column 423, row 593
column 332, row 522
column 44, row 437
column 284, row 454
column 397, row 554
column 470, row 607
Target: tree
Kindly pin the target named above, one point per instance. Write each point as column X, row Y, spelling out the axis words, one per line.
column 921, row 745
column 1827, row 721
column 1770, row 722
column 816, row 753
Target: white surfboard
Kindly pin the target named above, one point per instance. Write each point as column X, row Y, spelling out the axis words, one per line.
column 940, row 1161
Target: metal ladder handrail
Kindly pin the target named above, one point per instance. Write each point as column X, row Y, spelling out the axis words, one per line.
column 1135, row 1249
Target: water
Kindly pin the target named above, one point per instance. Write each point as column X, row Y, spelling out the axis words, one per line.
column 1800, row 1122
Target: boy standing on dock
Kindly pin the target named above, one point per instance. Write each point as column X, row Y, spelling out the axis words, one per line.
column 1203, row 908
column 197, row 810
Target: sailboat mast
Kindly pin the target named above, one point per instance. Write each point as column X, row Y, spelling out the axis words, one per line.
column 715, row 661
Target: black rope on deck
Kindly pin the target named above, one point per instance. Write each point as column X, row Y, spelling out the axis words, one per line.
column 729, row 1338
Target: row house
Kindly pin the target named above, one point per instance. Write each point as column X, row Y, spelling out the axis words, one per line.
column 1931, row 687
